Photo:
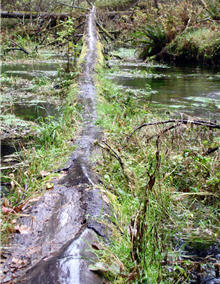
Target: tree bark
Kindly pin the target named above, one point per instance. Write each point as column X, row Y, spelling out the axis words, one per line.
column 32, row 15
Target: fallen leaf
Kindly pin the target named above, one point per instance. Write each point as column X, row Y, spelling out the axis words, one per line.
column 7, row 210
column 5, row 202
column 49, row 185
column 44, row 173
column 11, row 229
column 22, row 229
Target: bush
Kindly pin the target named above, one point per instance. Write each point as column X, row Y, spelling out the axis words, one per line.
column 201, row 46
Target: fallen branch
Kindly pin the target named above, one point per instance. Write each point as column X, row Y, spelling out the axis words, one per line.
column 15, row 48
column 181, row 121
column 113, row 153
column 19, row 47
column 32, row 15
column 105, row 31
column 164, row 131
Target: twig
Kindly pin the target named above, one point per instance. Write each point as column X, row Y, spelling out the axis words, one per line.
column 114, row 154
column 183, row 121
column 211, row 150
column 21, row 48
column 90, row 4
column 163, row 131
column 105, row 31
column 152, row 177
column 15, row 48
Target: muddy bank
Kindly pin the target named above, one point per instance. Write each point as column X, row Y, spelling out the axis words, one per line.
column 53, row 244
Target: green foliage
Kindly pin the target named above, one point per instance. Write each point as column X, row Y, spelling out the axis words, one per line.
column 157, row 188
column 213, row 9
column 202, row 46
column 183, row 28
column 153, row 38
column 66, row 37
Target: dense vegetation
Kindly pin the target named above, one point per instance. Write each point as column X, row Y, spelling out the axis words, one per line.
column 163, row 186
column 163, row 182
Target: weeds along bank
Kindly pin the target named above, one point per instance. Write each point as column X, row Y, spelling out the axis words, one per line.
column 45, row 143
column 45, row 149
column 163, row 189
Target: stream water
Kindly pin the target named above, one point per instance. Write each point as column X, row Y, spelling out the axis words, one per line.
column 24, row 99
column 191, row 90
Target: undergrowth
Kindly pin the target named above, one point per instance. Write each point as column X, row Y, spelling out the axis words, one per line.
column 163, row 190
column 45, row 152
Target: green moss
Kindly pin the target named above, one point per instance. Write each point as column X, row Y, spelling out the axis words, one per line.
column 100, row 57
column 83, row 53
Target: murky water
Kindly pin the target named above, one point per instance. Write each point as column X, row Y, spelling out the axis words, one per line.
column 190, row 90
column 26, row 102
column 29, row 71
column 24, row 97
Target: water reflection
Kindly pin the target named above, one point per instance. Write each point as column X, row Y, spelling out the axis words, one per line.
column 187, row 89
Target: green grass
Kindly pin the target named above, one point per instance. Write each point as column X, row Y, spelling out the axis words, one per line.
column 43, row 155
column 165, row 192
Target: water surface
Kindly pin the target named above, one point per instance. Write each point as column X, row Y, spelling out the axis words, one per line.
column 191, row 90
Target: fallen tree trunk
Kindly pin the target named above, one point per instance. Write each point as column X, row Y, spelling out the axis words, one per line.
column 32, row 15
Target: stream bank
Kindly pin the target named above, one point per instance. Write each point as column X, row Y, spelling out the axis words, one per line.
column 53, row 242
column 163, row 181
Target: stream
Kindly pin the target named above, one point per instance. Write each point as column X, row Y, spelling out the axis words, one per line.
column 178, row 91
column 191, row 90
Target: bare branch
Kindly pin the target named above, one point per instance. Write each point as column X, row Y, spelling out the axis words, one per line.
column 114, row 154
column 181, row 121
